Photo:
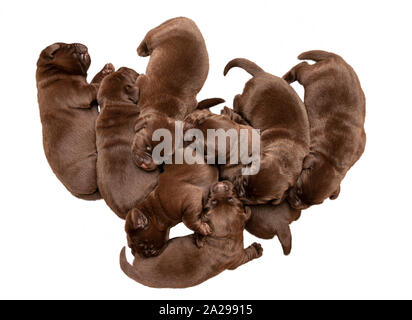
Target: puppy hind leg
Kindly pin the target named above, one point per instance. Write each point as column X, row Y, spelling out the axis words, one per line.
column 252, row 252
column 192, row 215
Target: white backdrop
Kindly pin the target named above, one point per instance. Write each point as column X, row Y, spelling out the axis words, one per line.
column 53, row 245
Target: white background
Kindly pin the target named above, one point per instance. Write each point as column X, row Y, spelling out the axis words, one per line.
column 53, row 245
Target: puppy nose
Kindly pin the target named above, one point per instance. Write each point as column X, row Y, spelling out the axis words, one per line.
column 80, row 48
column 220, row 187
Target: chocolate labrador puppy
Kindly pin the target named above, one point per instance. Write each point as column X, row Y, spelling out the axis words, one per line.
column 268, row 221
column 68, row 112
column 270, row 104
column 179, row 196
column 122, row 185
column 177, row 70
column 335, row 104
column 183, row 264
column 204, row 120
column 143, row 144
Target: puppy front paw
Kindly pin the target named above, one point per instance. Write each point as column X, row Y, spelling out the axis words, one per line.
column 234, row 116
column 258, row 248
column 195, row 119
column 204, row 229
column 107, row 69
column 199, row 240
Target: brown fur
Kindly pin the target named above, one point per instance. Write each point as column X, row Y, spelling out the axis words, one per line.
column 335, row 104
column 183, row 264
column 176, row 72
column 179, row 196
column 268, row 221
column 270, row 104
column 68, row 112
column 204, row 120
column 122, row 185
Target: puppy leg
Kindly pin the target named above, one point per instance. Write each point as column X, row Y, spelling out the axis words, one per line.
column 237, row 103
column 141, row 151
column 192, row 214
column 83, row 96
column 107, row 69
column 252, row 252
column 195, row 119
column 232, row 115
column 296, row 72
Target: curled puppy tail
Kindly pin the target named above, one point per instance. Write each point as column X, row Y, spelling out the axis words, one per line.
column 251, row 67
column 317, row 55
column 208, row 103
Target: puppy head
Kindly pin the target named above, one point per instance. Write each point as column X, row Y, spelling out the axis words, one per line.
column 70, row 58
column 143, row 143
column 145, row 236
column 318, row 181
column 224, row 212
column 268, row 185
column 119, row 86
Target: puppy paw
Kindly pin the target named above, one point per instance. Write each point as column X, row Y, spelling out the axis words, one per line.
column 199, row 240
column 108, row 69
column 143, row 50
column 195, row 119
column 232, row 115
column 258, row 248
column 204, row 229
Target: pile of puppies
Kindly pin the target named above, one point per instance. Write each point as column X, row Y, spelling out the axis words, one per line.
column 306, row 149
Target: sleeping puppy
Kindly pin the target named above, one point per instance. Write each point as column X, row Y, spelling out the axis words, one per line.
column 270, row 104
column 179, row 196
column 204, row 120
column 143, row 144
column 68, row 113
column 268, row 221
column 122, row 185
column 177, row 70
column 183, row 264
column 336, row 108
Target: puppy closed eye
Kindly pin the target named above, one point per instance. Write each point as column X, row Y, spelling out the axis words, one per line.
column 214, row 202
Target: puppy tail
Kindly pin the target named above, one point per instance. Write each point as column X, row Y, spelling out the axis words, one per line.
column 317, row 55
column 127, row 268
column 245, row 64
column 208, row 103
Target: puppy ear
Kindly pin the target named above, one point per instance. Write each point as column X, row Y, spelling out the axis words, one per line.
column 132, row 92
column 309, row 161
column 248, row 213
column 137, row 219
column 334, row 195
column 51, row 50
